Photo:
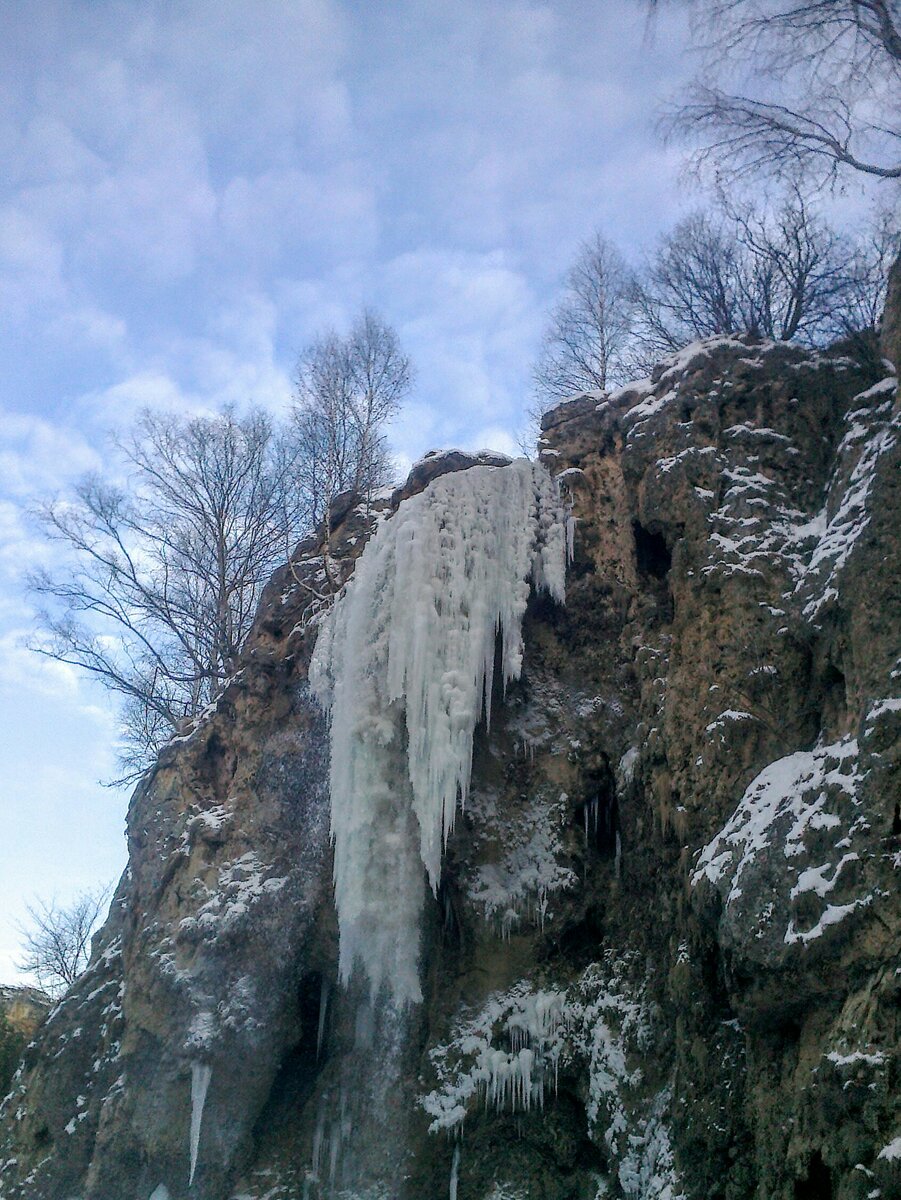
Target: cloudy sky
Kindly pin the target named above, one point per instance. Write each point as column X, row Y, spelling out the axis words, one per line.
column 192, row 190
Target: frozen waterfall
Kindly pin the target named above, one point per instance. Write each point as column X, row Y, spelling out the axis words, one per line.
column 404, row 663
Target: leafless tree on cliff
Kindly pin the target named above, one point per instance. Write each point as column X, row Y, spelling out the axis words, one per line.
column 161, row 575
column 780, row 272
column 56, row 941
column 585, row 346
column 692, row 288
column 347, row 389
column 822, row 88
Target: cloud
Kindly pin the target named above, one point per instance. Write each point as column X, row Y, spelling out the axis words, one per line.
column 469, row 323
column 37, row 454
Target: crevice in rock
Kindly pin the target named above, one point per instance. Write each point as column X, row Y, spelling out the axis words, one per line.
column 597, row 815
column 451, row 925
column 651, row 552
column 217, row 765
column 833, row 692
column 296, row 1076
column 818, row 1183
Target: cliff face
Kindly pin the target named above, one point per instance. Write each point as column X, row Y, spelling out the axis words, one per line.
column 662, row 960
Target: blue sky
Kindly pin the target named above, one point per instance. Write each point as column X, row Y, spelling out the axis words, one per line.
column 192, row 190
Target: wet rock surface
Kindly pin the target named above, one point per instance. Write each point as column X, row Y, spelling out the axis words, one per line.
column 663, row 958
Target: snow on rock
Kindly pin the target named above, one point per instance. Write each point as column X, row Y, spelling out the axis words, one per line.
column 506, row 1056
column 892, row 1152
column 871, row 433
column 800, row 808
column 404, row 664
column 648, row 1170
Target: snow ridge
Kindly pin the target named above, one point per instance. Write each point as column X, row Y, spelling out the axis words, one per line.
column 404, row 665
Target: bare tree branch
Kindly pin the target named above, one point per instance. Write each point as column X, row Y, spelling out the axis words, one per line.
column 585, row 344
column 819, row 88
column 56, row 941
column 159, row 584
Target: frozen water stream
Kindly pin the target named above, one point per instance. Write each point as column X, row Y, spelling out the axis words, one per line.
column 404, row 662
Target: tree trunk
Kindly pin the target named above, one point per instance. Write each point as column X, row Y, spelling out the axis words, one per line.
column 891, row 318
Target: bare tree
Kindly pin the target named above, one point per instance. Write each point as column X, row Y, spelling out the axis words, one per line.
column 822, row 88
column 56, row 943
column 796, row 268
column 347, row 389
column 694, row 287
column 864, row 299
column 780, row 272
column 161, row 577
column 585, row 346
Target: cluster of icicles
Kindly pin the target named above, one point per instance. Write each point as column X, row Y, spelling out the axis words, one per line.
column 404, row 664
column 514, row 1080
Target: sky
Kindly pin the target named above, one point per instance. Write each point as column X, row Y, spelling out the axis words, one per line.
column 193, row 190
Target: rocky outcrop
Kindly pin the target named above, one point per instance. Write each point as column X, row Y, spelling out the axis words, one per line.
column 21, row 1011
column 662, row 960
column 24, row 1008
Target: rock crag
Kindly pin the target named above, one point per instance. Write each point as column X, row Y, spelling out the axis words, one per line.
column 662, row 960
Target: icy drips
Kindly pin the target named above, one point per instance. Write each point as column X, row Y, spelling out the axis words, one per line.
column 323, row 1009
column 455, row 1173
column 201, row 1073
column 405, row 664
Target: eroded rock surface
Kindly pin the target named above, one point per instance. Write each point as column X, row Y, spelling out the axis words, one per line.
column 663, row 959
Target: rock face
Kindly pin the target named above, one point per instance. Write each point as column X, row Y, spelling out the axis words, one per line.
column 21, row 1011
column 663, row 957
column 24, row 1008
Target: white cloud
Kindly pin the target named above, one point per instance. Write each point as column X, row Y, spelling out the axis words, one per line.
column 37, row 454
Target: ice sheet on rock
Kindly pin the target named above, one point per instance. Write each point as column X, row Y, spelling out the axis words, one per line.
column 404, row 663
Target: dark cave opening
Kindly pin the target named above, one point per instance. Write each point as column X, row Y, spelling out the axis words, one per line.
column 834, row 700
column 896, row 820
column 598, row 813
column 651, row 552
column 818, row 1184
column 301, row 1062
column 449, row 914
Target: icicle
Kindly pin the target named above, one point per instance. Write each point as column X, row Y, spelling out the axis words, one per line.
column 318, row 1135
column 570, row 537
column 334, row 1151
column 201, row 1073
column 323, row 1007
column 455, row 1173
column 405, row 664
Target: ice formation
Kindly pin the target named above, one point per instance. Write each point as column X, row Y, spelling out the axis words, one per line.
column 201, row 1073
column 455, row 1173
column 404, row 662
column 511, row 1077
